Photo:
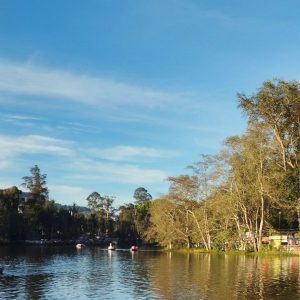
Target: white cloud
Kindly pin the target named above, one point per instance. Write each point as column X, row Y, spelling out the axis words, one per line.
column 82, row 161
column 20, row 117
column 9, row 117
column 28, row 79
column 12, row 146
column 19, row 120
column 130, row 153
column 119, row 173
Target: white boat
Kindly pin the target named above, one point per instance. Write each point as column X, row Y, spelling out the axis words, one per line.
column 80, row 246
column 111, row 247
column 134, row 248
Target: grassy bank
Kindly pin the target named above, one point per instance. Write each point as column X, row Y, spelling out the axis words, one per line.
column 265, row 253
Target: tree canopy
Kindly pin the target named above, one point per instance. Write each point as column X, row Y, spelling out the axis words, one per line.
column 141, row 195
column 36, row 184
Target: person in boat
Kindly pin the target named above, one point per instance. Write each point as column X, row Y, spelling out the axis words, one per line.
column 111, row 246
column 80, row 246
column 134, row 248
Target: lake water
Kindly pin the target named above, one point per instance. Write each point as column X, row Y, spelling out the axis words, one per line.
column 94, row 273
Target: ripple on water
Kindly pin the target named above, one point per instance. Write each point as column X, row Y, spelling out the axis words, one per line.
column 64, row 273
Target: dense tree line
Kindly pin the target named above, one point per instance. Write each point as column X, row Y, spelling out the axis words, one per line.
column 250, row 189
column 31, row 215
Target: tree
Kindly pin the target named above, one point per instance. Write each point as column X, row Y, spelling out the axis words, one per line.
column 142, row 206
column 33, row 207
column 94, row 201
column 47, row 216
column 171, row 222
column 109, row 214
column 183, row 194
column 250, row 184
column 102, row 213
column 276, row 107
column 234, row 197
column 36, row 184
column 69, row 224
column 141, row 196
column 10, row 219
column 208, row 176
column 126, row 222
column 162, row 220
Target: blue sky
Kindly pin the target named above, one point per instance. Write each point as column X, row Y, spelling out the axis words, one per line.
column 111, row 95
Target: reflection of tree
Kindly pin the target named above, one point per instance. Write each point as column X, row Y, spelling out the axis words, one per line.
column 35, row 285
column 24, row 273
column 153, row 275
column 214, row 276
column 136, row 276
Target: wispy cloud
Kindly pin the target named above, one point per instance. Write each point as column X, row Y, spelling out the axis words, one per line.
column 12, row 146
column 130, row 153
column 19, row 120
column 28, row 79
column 19, row 117
column 83, row 161
column 118, row 173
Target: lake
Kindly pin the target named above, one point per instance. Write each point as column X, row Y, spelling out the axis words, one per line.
column 41, row 272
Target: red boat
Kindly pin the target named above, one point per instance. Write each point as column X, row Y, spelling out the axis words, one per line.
column 134, row 248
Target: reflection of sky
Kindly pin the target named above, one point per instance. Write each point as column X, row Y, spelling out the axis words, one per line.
column 94, row 273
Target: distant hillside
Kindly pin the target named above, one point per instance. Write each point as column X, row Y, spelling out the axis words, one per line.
column 81, row 209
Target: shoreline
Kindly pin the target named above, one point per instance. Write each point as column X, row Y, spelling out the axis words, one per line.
column 265, row 253
column 92, row 243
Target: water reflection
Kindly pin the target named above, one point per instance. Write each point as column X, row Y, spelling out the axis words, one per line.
column 205, row 276
column 94, row 273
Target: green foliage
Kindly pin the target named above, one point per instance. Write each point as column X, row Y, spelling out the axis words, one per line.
column 94, row 201
column 238, row 193
column 141, row 196
column 10, row 220
column 141, row 211
column 34, row 216
column 264, row 248
column 223, row 241
column 36, row 184
column 162, row 227
column 101, row 220
column 126, row 222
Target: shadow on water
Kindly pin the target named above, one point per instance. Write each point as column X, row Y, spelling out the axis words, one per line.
column 30, row 286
